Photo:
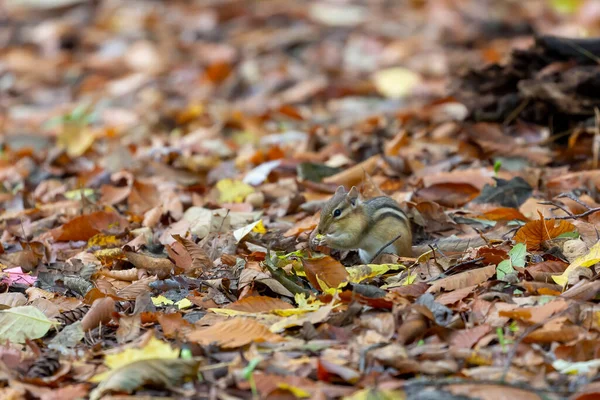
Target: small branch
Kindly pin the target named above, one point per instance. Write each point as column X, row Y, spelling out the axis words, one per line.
column 384, row 246
column 570, row 195
column 576, row 216
column 513, row 350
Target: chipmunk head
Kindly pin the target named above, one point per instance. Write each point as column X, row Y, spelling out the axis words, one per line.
column 339, row 215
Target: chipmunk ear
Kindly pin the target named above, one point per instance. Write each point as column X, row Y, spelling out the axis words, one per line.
column 352, row 196
column 340, row 190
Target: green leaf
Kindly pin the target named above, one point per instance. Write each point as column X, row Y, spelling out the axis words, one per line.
column 568, row 235
column 566, row 6
column 503, row 269
column 20, row 323
column 497, row 166
column 517, row 255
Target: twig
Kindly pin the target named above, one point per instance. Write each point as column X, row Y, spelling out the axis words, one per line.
column 575, row 216
column 513, row 350
column 384, row 246
column 417, row 384
column 571, row 195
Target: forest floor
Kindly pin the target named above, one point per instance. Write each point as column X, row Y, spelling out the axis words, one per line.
column 163, row 165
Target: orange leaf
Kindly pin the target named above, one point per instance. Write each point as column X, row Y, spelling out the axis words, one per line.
column 449, row 194
column 257, row 304
column 172, row 324
column 235, row 332
column 535, row 232
column 328, row 269
column 505, row 214
column 86, row 226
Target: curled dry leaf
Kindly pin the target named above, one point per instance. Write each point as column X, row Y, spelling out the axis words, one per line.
column 162, row 267
column 130, row 274
column 354, row 175
column 100, row 313
column 200, row 259
column 234, row 332
column 132, row 291
column 463, row 279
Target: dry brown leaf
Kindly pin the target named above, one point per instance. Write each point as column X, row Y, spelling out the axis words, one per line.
column 504, row 214
column 87, row 226
column 354, row 175
column 129, row 328
column 234, row 332
column 556, row 330
column 327, row 269
column 455, row 295
column 258, row 304
column 162, row 267
column 100, row 313
column 466, row 338
column 448, row 194
column 130, row 274
column 12, row 299
column 200, row 260
column 49, row 309
column 173, row 324
column 132, row 291
column 143, row 197
column 112, row 195
column 536, row 315
column 534, row 233
column 492, row 392
column 463, row 279
column 304, row 225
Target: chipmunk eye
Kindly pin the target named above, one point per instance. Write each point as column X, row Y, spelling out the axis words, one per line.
column 337, row 213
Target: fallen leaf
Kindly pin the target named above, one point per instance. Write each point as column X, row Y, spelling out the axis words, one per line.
column 533, row 233
column 18, row 324
column 396, row 82
column 463, row 279
column 232, row 333
column 87, row 226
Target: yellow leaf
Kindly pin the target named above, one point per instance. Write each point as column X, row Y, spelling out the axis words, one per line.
column 161, row 300
column 396, row 82
column 305, row 304
column 586, row 261
column 228, row 312
column 104, row 241
column 409, row 280
column 240, row 233
column 360, row 273
column 260, row 227
column 295, row 390
column 154, row 349
column 75, row 138
column 183, row 304
column 78, row 193
column 233, row 191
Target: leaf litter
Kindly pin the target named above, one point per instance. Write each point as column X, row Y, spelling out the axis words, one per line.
column 164, row 165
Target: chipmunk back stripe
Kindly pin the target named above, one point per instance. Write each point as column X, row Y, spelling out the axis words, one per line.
column 388, row 211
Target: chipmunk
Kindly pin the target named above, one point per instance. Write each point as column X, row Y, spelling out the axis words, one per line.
column 350, row 223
